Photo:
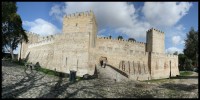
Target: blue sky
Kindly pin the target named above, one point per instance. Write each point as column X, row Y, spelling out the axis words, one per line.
column 130, row 19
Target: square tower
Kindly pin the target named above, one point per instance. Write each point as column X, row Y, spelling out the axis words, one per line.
column 79, row 24
column 155, row 41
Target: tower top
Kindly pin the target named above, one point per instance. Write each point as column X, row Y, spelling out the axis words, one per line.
column 153, row 29
column 77, row 14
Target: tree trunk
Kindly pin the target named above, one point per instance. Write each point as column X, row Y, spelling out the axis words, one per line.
column 20, row 52
column 196, row 59
column 11, row 52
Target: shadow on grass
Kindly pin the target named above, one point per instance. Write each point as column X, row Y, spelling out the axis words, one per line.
column 180, row 87
column 185, row 77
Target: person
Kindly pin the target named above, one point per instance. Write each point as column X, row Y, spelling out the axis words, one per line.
column 104, row 63
column 101, row 63
column 31, row 65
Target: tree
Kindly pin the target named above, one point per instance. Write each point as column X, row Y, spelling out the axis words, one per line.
column 181, row 61
column 110, row 37
column 131, row 39
column 12, row 31
column 8, row 8
column 191, row 46
column 176, row 53
column 120, row 37
column 188, row 64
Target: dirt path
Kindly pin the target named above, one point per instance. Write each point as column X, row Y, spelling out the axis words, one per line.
column 17, row 83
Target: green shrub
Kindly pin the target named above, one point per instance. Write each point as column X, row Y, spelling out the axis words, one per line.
column 185, row 73
column 78, row 78
column 188, row 64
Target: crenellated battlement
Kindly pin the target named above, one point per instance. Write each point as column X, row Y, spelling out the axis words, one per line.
column 153, row 29
column 80, row 14
column 116, row 50
column 31, row 33
column 171, row 55
column 163, row 54
column 42, row 42
column 44, row 38
column 120, row 40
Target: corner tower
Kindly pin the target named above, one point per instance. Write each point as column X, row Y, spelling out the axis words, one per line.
column 155, row 41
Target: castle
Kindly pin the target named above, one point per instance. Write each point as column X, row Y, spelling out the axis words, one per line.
column 78, row 48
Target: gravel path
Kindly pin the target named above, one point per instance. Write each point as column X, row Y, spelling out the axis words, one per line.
column 20, row 83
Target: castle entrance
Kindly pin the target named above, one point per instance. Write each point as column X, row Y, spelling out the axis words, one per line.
column 103, row 61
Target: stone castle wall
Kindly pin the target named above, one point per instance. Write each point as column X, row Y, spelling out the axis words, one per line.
column 160, row 65
column 66, row 51
column 120, row 53
column 78, row 48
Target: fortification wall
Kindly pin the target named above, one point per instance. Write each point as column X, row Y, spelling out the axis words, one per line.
column 160, row 65
column 78, row 48
column 62, row 53
column 69, row 50
column 33, row 38
column 74, row 51
column 121, row 53
column 116, row 46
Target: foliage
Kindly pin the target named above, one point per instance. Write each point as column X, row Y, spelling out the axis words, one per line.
column 176, row 53
column 50, row 72
column 131, row 39
column 120, row 37
column 181, row 61
column 191, row 45
column 188, row 64
column 12, row 31
column 110, row 37
column 185, row 73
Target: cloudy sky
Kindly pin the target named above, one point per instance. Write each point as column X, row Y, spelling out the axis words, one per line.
column 129, row 19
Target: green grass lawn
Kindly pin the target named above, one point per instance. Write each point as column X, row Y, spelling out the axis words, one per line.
column 49, row 72
column 185, row 73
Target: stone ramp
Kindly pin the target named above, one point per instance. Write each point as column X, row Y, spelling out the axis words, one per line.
column 110, row 72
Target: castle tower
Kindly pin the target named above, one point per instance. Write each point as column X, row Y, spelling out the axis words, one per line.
column 84, row 23
column 155, row 41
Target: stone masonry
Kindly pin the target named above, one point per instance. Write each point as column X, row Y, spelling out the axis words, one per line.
column 78, row 48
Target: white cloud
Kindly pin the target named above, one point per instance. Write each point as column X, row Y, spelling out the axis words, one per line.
column 120, row 16
column 176, row 40
column 57, row 12
column 42, row 27
column 171, row 50
column 180, row 28
column 165, row 13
